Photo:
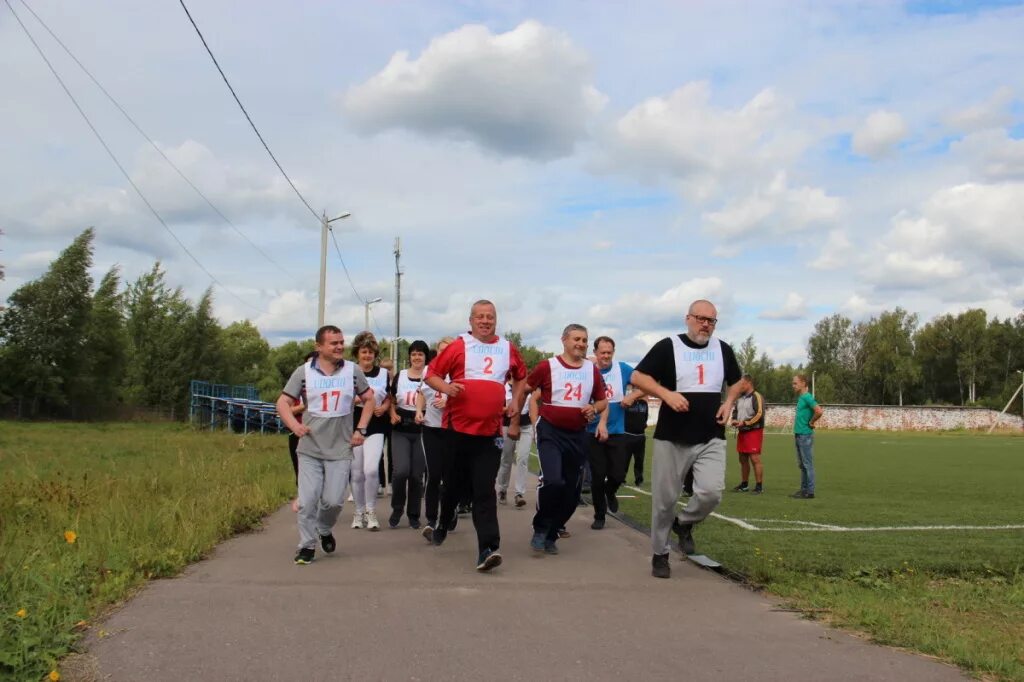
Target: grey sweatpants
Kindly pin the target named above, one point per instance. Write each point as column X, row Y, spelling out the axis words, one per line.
column 671, row 462
column 519, row 452
column 323, row 486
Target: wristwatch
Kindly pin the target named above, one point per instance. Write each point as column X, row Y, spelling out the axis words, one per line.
column 361, row 430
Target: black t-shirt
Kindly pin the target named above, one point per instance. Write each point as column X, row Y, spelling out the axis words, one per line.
column 636, row 418
column 698, row 424
column 381, row 424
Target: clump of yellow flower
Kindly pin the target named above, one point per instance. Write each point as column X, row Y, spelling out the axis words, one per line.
column 21, row 613
column 54, row 676
column 70, row 536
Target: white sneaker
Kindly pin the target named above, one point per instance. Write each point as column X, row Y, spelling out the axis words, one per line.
column 371, row 521
column 359, row 520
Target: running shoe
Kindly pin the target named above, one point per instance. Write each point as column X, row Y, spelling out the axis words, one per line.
column 428, row 533
column 550, row 548
column 305, row 556
column 359, row 520
column 488, row 559
column 741, row 488
column 438, row 536
column 395, row 517
column 660, row 567
column 685, row 533
column 613, row 503
column 520, row 500
column 414, row 524
column 327, row 542
column 502, row 497
column 371, row 521
column 537, row 542
column 598, row 524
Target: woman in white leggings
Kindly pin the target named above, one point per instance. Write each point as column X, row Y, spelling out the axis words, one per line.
column 366, row 463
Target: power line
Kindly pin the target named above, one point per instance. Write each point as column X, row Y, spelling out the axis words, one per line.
column 344, row 267
column 247, row 117
column 152, row 143
column 117, row 163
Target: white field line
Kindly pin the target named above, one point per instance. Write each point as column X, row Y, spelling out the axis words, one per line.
column 811, row 527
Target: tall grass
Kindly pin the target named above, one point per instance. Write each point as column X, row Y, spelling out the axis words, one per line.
column 90, row 512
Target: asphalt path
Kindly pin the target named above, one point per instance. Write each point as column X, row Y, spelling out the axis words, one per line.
column 388, row 606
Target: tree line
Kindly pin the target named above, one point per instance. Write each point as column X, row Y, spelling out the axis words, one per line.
column 71, row 348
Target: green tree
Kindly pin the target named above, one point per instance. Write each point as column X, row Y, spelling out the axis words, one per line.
column 279, row 365
column 42, row 332
column 245, row 353
column 971, row 349
column 531, row 355
column 104, row 352
column 888, row 351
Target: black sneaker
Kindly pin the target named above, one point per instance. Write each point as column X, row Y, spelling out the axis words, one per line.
column 741, row 488
column 488, row 559
column 305, row 556
column 613, row 503
column 550, row 547
column 414, row 524
column 757, row 491
column 428, row 533
column 327, row 542
column 437, row 536
column 807, row 496
column 395, row 517
column 660, row 567
column 503, row 497
column 537, row 541
column 598, row 524
column 520, row 500
column 685, row 533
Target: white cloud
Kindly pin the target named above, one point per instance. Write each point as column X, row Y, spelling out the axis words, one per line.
column 684, row 137
column 638, row 310
column 879, row 133
column 526, row 92
column 992, row 113
column 836, row 253
column 775, row 209
column 795, row 308
column 992, row 154
column 857, row 307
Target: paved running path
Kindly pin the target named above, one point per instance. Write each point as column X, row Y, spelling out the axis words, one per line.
column 387, row 606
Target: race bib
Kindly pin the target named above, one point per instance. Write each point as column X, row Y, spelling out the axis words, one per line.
column 698, row 370
column 329, row 396
column 570, row 386
column 487, row 361
column 613, row 388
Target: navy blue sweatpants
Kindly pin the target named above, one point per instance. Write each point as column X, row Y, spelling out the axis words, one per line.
column 562, row 455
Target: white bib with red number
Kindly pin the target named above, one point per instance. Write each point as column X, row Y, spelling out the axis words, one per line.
column 613, row 388
column 433, row 413
column 487, row 361
column 405, row 391
column 698, row 370
column 570, row 386
column 379, row 384
column 329, row 396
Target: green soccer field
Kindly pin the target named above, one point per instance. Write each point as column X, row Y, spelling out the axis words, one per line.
column 957, row 593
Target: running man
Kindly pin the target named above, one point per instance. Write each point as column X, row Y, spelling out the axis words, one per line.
column 477, row 364
column 607, row 446
column 687, row 371
column 748, row 418
column 572, row 393
column 326, row 436
column 808, row 412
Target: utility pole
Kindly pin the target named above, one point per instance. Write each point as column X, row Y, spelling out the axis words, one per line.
column 325, row 225
column 398, row 300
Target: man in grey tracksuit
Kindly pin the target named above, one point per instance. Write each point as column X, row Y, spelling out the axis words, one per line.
column 326, row 436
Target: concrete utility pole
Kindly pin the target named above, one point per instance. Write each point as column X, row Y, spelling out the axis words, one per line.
column 398, row 300
column 324, row 227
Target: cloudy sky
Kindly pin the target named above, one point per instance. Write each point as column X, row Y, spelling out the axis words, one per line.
column 600, row 163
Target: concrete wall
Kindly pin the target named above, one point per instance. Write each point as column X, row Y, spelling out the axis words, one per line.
column 888, row 417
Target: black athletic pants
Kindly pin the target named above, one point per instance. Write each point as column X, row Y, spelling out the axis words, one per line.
column 607, row 470
column 635, row 447
column 293, row 443
column 407, row 450
column 470, row 467
column 433, row 452
column 562, row 455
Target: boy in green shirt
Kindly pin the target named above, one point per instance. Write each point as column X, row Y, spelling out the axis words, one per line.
column 808, row 412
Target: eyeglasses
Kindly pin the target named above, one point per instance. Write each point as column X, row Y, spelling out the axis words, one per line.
column 710, row 321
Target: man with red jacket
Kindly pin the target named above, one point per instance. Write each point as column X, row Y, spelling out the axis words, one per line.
column 476, row 366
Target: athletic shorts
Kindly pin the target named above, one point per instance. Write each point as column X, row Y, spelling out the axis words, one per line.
column 749, row 442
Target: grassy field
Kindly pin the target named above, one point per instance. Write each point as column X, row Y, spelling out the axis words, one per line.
column 89, row 512
column 956, row 594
